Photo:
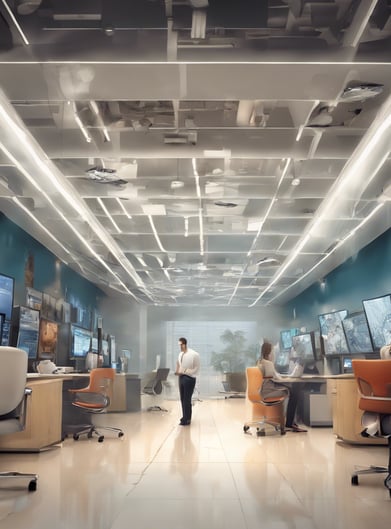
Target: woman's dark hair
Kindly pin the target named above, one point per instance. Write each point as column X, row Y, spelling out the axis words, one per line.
column 183, row 341
column 266, row 349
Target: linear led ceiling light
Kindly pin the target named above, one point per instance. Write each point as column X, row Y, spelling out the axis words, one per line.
column 80, row 124
column 101, row 203
column 156, row 233
column 200, row 218
column 12, row 16
column 358, row 172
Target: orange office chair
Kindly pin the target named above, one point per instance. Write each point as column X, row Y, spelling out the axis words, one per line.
column 265, row 411
column 374, row 385
column 95, row 398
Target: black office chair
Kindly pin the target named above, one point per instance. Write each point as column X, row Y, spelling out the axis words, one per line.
column 152, row 384
column 13, row 405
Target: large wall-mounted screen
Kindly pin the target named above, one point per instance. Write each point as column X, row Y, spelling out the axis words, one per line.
column 378, row 314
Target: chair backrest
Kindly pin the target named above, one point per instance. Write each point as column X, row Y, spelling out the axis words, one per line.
column 13, row 373
column 254, row 382
column 373, row 379
column 101, row 380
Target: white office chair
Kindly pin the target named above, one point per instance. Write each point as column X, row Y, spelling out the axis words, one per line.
column 13, row 402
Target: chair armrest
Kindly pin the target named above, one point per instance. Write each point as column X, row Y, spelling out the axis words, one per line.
column 372, row 397
column 23, row 407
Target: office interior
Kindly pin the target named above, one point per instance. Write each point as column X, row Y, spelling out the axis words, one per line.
column 188, row 166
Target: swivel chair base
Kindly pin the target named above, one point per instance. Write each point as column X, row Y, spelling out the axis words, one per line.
column 90, row 430
column 260, row 427
column 16, row 476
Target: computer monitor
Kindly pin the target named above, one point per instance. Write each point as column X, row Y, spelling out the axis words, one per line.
column 347, row 364
column 28, row 333
column 333, row 340
column 304, row 346
column 81, row 342
column 282, row 361
column 357, row 333
column 286, row 337
column 378, row 315
column 6, row 295
column 2, row 318
column 94, row 344
column 5, row 337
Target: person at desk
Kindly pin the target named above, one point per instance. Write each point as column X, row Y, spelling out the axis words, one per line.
column 272, row 386
column 187, row 367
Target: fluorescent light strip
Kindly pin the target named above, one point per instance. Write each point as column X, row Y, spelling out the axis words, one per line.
column 167, row 274
column 186, row 226
column 12, row 16
column 141, row 260
column 96, row 255
column 123, row 208
column 283, row 174
column 95, row 109
column 82, row 128
column 75, row 204
column 100, row 201
column 201, row 231
column 42, row 165
column 341, row 242
column 200, row 219
column 43, row 228
column 155, row 233
column 293, row 256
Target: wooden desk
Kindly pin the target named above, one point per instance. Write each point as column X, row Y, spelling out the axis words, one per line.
column 346, row 413
column 43, row 419
column 126, row 393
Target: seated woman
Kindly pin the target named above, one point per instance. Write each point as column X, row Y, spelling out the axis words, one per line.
column 271, row 387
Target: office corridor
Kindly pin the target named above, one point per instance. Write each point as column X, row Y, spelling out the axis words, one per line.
column 208, row 475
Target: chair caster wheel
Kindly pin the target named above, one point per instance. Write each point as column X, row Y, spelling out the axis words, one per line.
column 282, row 431
column 354, row 480
column 32, row 486
column 246, row 429
column 101, row 438
column 121, row 434
column 75, row 437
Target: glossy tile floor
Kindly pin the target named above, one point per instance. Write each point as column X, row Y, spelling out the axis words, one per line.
column 208, row 475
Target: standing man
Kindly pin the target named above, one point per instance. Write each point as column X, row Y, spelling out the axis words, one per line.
column 187, row 367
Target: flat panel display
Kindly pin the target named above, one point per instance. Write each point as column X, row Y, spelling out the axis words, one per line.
column 286, row 337
column 357, row 333
column 332, row 334
column 378, row 314
column 304, row 346
column 6, row 295
column 81, row 341
column 2, row 319
column 5, row 337
column 28, row 334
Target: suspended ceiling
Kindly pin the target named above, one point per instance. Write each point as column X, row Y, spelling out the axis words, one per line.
column 197, row 153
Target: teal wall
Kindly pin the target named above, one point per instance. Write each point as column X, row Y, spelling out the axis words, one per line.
column 50, row 275
column 363, row 276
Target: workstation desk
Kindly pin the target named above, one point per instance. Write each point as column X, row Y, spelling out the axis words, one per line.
column 342, row 391
column 48, row 408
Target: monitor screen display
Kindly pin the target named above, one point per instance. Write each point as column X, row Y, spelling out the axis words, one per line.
column 2, row 318
column 81, row 341
column 282, row 358
column 6, row 295
column 94, row 345
column 286, row 337
column 304, row 346
column 28, row 334
column 332, row 334
column 5, row 337
column 378, row 314
column 357, row 333
column 347, row 364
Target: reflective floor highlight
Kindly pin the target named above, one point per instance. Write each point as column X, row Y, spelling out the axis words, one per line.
column 207, row 475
